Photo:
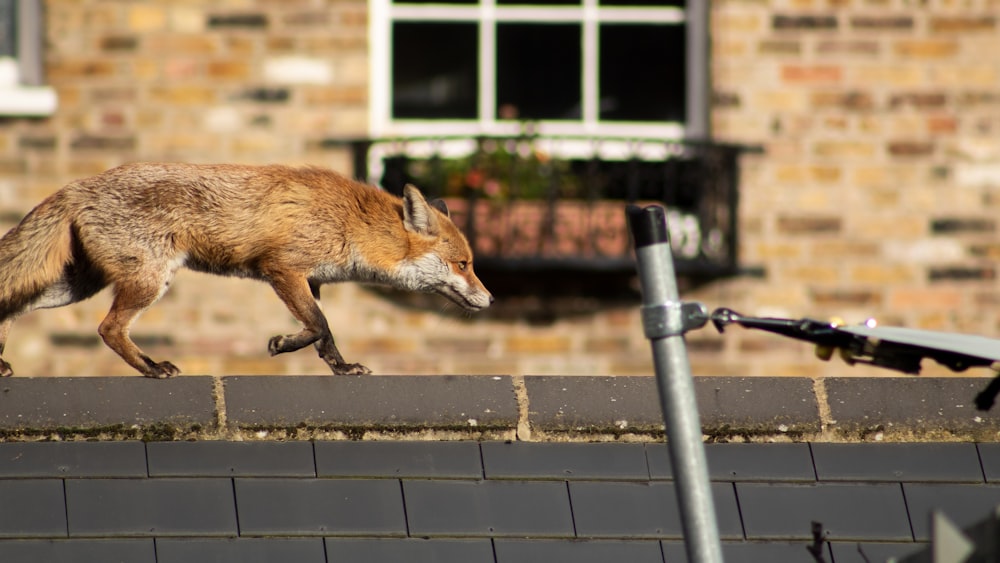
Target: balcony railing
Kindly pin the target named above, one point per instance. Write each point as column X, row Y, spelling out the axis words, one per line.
column 555, row 205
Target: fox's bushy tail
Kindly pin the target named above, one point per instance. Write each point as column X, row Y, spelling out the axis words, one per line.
column 34, row 254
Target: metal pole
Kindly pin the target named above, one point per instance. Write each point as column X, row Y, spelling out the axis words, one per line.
column 665, row 320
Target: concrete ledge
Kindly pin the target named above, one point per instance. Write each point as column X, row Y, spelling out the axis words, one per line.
column 910, row 404
column 93, row 404
column 498, row 407
column 361, row 402
column 728, row 405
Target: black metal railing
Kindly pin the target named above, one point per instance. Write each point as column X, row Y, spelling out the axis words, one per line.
column 555, row 204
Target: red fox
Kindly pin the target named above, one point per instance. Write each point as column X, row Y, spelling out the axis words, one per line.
column 134, row 226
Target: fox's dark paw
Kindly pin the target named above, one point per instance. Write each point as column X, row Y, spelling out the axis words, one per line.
column 5, row 369
column 162, row 370
column 349, row 369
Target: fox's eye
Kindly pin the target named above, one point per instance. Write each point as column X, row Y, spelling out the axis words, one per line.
column 463, row 265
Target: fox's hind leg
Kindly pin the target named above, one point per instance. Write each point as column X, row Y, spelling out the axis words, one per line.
column 133, row 295
column 5, row 369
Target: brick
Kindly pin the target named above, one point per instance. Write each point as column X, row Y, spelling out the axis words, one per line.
column 926, row 48
column 960, row 225
column 831, row 249
column 780, row 47
column 145, row 18
column 895, row 75
column 537, row 344
column 182, row 44
column 809, row 225
column 103, row 143
column 846, row 297
column 918, row 100
column 839, row 47
column 882, row 274
column 237, row 70
column 962, row 24
column 41, row 143
column 335, row 95
column 904, row 299
column 311, row 18
column 382, row 345
column 812, row 74
column 237, row 21
column 725, row 23
column 882, row 23
column 942, row 125
column 183, row 95
column 266, row 95
column 807, row 22
column 79, row 69
column 960, row 273
column 844, row 149
column 783, row 100
column 118, row 43
column 910, row 149
column 989, row 251
column 777, row 250
column 854, row 101
column 723, row 100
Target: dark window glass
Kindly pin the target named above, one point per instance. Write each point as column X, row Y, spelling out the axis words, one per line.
column 538, row 71
column 540, row 2
column 642, row 73
column 435, row 70
column 674, row 3
column 435, row 1
column 8, row 28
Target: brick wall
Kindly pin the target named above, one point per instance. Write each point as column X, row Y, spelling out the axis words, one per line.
column 877, row 196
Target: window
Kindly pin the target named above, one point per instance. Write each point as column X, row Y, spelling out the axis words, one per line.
column 630, row 68
column 22, row 92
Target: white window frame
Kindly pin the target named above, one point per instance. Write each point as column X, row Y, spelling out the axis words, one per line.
column 22, row 89
column 382, row 14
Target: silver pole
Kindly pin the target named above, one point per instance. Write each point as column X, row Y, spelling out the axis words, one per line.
column 665, row 320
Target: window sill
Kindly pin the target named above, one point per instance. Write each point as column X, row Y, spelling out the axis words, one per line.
column 27, row 101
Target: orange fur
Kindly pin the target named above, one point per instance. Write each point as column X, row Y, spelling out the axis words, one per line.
column 132, row 227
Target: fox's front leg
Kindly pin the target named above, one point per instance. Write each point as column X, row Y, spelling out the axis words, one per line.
column 301, row 298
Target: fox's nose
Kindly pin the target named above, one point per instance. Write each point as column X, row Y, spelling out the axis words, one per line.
column 492, row 299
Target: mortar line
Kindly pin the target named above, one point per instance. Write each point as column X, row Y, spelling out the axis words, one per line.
column 219, row 394
column 826, row 420
column 523, row 431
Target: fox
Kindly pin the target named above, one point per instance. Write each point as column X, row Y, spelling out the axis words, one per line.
column 296, row 228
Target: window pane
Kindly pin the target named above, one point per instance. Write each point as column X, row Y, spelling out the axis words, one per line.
column 538, row 71
column 435, row 1
column 642, row 73
column 673, row 3
column 539, row 2
column 8, row 28
column 435, row 70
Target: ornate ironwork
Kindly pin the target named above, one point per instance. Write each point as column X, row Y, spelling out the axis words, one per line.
column 556, row 204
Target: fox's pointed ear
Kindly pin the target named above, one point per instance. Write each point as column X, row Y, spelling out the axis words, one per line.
column 441, row 206
column 417, row 215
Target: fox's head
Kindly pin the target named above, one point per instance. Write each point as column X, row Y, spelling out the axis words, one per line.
column 440, row 259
